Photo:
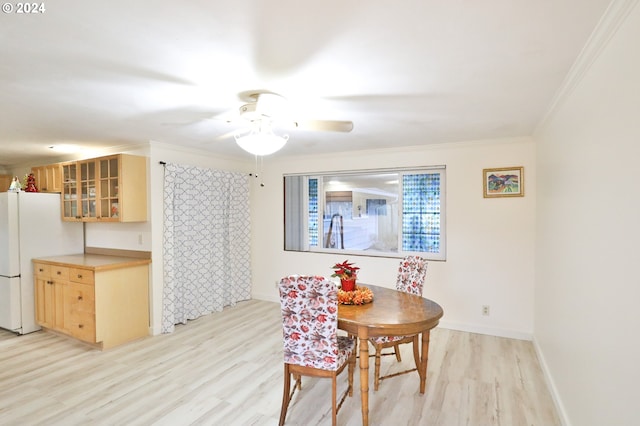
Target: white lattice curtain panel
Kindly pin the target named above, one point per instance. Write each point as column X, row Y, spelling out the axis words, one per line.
column 206, row 244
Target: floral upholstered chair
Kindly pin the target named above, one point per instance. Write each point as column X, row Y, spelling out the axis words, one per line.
column 312, row 346
column 411, row 275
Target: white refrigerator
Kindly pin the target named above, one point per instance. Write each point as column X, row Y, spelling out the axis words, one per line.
column 30, row 226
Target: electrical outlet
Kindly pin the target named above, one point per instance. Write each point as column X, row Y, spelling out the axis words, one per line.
column 485, row 310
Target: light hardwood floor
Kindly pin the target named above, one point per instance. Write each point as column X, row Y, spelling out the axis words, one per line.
column 226, row 369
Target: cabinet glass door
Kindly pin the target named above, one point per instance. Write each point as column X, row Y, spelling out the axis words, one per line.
column 109, row 178
column 88, row 189
column 69, row 191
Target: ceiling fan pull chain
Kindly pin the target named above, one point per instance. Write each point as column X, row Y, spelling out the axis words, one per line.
column 261, row 171
column 255, row 175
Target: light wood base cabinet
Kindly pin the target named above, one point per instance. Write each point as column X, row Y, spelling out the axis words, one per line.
column 49, row 283
column 104, row 306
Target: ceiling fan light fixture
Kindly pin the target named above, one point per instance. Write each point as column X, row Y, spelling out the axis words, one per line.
column 270, row 105
column 261, row 143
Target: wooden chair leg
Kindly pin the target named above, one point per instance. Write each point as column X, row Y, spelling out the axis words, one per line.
column 397, row 349
column 285, row 394
column 376, row 381
column 351, row 368
column 334, row 402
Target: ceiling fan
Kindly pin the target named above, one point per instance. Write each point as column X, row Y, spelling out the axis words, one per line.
column 274, row 107
column 266, row 110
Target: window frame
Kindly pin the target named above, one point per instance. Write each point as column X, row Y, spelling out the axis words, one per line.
column 439, row 256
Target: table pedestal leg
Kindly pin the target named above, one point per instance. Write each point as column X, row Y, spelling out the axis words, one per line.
column 424, row 358
column 363, row 335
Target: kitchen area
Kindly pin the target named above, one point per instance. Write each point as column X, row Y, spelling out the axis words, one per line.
column 58, row 269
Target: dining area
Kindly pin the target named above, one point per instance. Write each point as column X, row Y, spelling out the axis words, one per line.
column 314, row 309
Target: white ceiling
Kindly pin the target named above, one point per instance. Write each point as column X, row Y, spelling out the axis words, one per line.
column 106, row 73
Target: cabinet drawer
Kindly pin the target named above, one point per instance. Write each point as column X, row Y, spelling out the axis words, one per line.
column 81, row 276
column 42, row 270
column 79, row 298
column 59, row 272
column 81, row 325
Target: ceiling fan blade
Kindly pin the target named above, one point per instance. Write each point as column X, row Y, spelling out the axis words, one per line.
column 231, row 133
column 324, row 125
column 179, row 117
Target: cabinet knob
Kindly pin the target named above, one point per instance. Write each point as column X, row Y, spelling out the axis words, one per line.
column 79, row 275
column 59, row 272
column 40, row 270
column 49, row 282
column 79, row 297
column 80, row 325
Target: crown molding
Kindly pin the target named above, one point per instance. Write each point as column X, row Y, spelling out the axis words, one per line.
column 608, row 25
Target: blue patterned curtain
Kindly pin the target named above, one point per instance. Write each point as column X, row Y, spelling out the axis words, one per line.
column 206, row 242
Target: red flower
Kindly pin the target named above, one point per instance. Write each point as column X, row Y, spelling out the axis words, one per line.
column 302, row 286
column 295, row 336
column 329, row 359
column 345, row 270
column 293, row 294
column 304, row 328
column 322, row 318
column 332, row 309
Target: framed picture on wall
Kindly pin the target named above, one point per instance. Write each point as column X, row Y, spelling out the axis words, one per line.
column 503, row 182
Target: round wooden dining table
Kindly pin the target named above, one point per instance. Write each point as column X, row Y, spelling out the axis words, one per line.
column 391, row 313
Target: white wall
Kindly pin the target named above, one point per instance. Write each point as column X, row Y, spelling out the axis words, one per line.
column 490, row 242
column 587, row 286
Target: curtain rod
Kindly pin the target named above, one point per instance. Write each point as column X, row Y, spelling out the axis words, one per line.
column 250, row 174
column 164, row 164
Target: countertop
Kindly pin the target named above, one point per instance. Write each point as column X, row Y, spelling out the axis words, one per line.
column 94, row 262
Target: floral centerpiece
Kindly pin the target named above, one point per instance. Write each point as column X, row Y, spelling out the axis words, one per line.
column 348, row 273
column 358, row 296
column 350, row 293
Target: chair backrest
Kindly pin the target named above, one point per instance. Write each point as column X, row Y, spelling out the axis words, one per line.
column 309, row 321
column 411, row 275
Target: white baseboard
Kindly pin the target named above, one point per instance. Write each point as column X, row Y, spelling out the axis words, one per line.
column 555, row 395
column 270, row 297
column 491, row 331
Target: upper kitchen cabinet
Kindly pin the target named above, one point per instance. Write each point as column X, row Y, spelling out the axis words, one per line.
column 5, row 182
column 105, row 189
column 48, row 178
